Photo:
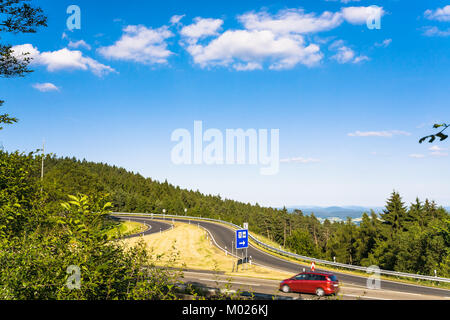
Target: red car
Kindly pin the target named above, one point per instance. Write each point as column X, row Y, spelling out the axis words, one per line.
column 320, row 283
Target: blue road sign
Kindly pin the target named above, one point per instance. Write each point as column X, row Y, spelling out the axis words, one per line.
column 241, row 239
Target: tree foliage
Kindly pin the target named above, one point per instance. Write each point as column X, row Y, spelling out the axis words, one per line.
column 402, row 238
column 16, row 16
column 441, row 135
column 38, row 242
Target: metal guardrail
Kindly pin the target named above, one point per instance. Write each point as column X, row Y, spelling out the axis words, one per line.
column 297, row 256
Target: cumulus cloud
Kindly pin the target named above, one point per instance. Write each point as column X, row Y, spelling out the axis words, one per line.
column 265, row 40
column 291, row 21
column 62, row 59
column 345, row 54
column 140, row 44
column 435, row 32
column 360, row 59
column 248, row 66
column 78, row 44
column 440, row 14
column 252, row 48
column 45, row 87
column 360, row 15
column 386, row 134
column 176, row 19
column 202, row 27
column 385, row 43
column 276, row 41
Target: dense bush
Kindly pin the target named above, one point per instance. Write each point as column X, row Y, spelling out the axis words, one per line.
column 38, row 244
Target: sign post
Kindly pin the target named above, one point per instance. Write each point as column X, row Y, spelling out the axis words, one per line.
column 242, row 241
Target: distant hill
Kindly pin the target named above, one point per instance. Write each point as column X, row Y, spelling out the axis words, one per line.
column 342, row 213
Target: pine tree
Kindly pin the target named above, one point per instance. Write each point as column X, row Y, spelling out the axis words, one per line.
column 395, row 212
column 415, row 213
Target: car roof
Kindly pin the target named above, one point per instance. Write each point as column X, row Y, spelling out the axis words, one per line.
column 316, row 272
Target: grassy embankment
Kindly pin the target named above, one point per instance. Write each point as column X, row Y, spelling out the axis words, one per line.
column 195, row 251
column 124, row 228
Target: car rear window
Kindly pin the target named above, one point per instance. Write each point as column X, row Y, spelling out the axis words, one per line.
column 332, row 277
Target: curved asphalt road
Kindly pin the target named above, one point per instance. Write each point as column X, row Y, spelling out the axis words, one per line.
column 224, row 236
column 154, row 226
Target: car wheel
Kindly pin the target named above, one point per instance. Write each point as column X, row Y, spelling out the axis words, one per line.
column 320, row 292
column 286, row 289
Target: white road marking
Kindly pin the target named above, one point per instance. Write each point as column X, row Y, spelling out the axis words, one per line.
column 366, row 297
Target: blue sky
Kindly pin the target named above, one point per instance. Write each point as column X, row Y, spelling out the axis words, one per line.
column 350, row 102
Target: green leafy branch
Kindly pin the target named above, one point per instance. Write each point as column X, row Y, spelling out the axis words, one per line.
column 5, row 118
column 439, row 135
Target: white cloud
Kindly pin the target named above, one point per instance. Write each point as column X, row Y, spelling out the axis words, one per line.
column 435, row 32
column 360, row 15
column 387, row 134
column 62, row 59
column 437, row 151
column 436, row 148
column 176, row 19
column 291, row 21
column 345, row 54
column 361, row 58
column 299, row 160
column 248, row 66
column 202, row 27
column 417, row 156
column 45, row 87
column 234, row 47
column 140, row 44
column 384, row 44
column 440, row 14
column 439, row 154
column 79, row 43
column 277, row 41
column 26, row 48
column 343, row 1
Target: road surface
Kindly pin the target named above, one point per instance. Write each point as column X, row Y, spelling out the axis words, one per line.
column 224, row 238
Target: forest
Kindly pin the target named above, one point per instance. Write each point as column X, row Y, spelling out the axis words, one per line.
column 411, row 238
